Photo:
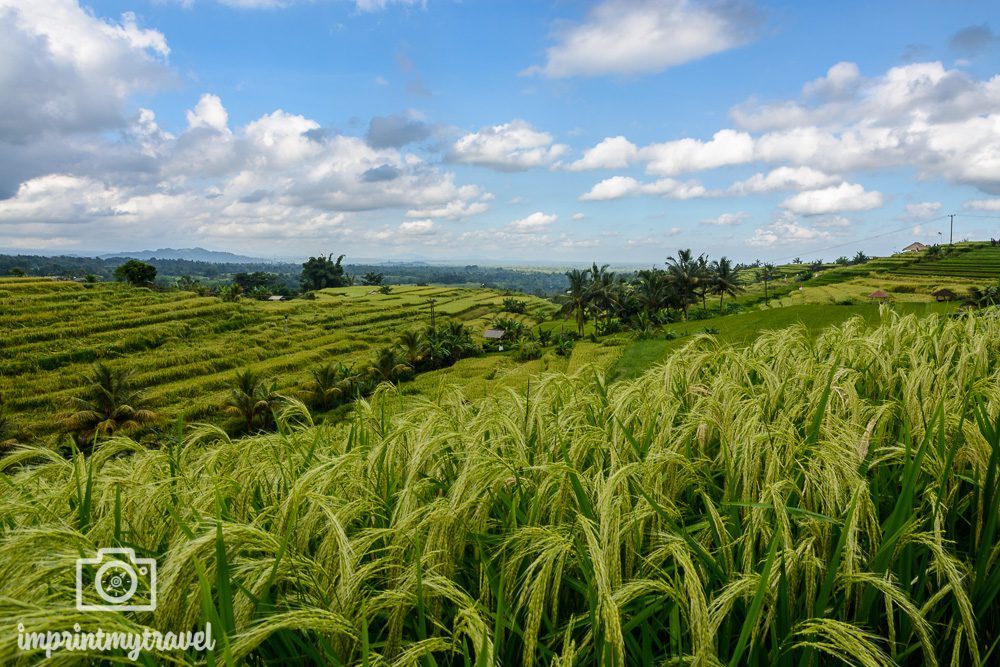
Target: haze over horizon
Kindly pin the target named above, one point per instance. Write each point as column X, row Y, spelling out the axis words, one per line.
column 615, row 130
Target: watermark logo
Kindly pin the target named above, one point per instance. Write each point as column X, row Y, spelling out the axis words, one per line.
column 116, row 580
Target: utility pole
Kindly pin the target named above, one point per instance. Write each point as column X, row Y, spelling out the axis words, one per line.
column 951, row 234
column 432, row 302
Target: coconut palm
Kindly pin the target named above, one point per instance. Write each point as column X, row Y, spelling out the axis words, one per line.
column 653, row 290
column 579, row 296
column 109, row 403
column 329, row 383
column 414, row 346
column 725, row 280
column 250, row 397
column 685, row 274
column 387, row 365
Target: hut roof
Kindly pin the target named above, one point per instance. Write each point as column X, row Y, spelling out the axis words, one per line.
column 494, row 334
column 915, row 246
column 944, row 293
column 878, row 294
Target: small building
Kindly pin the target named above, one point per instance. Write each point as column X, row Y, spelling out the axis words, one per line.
column 916, row 246
column 878, row 295
column 494, row 334
column 944, row 294
column 276, row 297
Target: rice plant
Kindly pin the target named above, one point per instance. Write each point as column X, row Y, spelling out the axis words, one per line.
column 805, row 500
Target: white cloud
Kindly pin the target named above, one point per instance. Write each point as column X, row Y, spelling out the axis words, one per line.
column 727, row 219
column 786, row 230
column 534, row 223
column 513, row 146
column 640, row 36
column 612, row 153
column 208, row 113
column 843, row 197
column 63, row 70
column 727, row 147
column 617, row 187
column 923, row 210
column 579, row 216
column 280, row 178
column 783, row 178
column 982, row 204
column 417, row 227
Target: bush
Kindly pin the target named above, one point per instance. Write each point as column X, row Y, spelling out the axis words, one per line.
column 528, row 351
column 903, row 289
column 512, row 305
column 670, row 334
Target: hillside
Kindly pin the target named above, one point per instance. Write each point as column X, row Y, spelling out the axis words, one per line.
column 186, row 348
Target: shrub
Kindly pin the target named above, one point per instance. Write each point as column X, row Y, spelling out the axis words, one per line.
column 528, row 350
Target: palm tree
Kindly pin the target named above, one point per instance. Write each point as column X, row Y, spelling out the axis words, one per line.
column 603, row 291
column 653, row 291
column 387, row 366
column 109, row 403
column 579, row 296
column 249, row 397
column 767, row 273
column 331, row 382
column 685, row 274
column 725, row 280
column 414, row 347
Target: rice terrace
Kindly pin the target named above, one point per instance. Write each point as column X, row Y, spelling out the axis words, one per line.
column 391, row 333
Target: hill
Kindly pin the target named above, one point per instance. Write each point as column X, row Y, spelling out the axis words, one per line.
column 189, row 254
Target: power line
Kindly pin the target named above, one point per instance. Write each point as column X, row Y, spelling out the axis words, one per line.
column 856, row 241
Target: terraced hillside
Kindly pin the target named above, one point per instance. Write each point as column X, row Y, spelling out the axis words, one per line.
column 971, row 261
column 186, row 348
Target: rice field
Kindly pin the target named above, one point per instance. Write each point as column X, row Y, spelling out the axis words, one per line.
column 186, row 348
column 800, row 500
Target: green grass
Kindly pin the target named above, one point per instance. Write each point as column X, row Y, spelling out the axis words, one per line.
column 808, row 499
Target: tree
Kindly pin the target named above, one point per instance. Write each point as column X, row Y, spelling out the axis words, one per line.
column 17, row 272
column 136, row 273
column 860, row 258
column 579, row 296
column 725, row 280
column 322, row 272
column 685, row 274
column 387, row 366
column 109, row 403
column 767, row 273
column 372, row 278
column 329, row 383
column 414, row 347
column 653, row 290
column 249, row 397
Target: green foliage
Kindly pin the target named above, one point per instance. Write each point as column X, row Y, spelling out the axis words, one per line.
column 322, row 272
column 528, row 350
column 136, row 273
column 372, row 278
column 512, row 305
column 385, row 289
column 804, row 501
column 251, row 399
column 108, row 403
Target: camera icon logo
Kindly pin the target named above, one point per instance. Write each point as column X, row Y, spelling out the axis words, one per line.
column 116, row 576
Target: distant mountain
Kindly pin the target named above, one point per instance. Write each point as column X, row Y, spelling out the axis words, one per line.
column 191, row 254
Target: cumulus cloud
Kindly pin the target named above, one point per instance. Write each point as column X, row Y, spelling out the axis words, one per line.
column 727, row 147
column 534, row 223
column 513, row 146
column 278, row 177
column 641, row 36
column 579, row 216
column 726, row 219
column 923, row 210
column 612, row 153
column 617, row 187
column 982, row 204
column 417, row 227
column 836, row 199
column 786, row 230
column 941, row 121
column 783, row 178
column 63, row 70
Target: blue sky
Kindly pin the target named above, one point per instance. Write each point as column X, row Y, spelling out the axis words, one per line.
column 612, row 130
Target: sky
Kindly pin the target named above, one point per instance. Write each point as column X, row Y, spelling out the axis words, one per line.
column 506, row 130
